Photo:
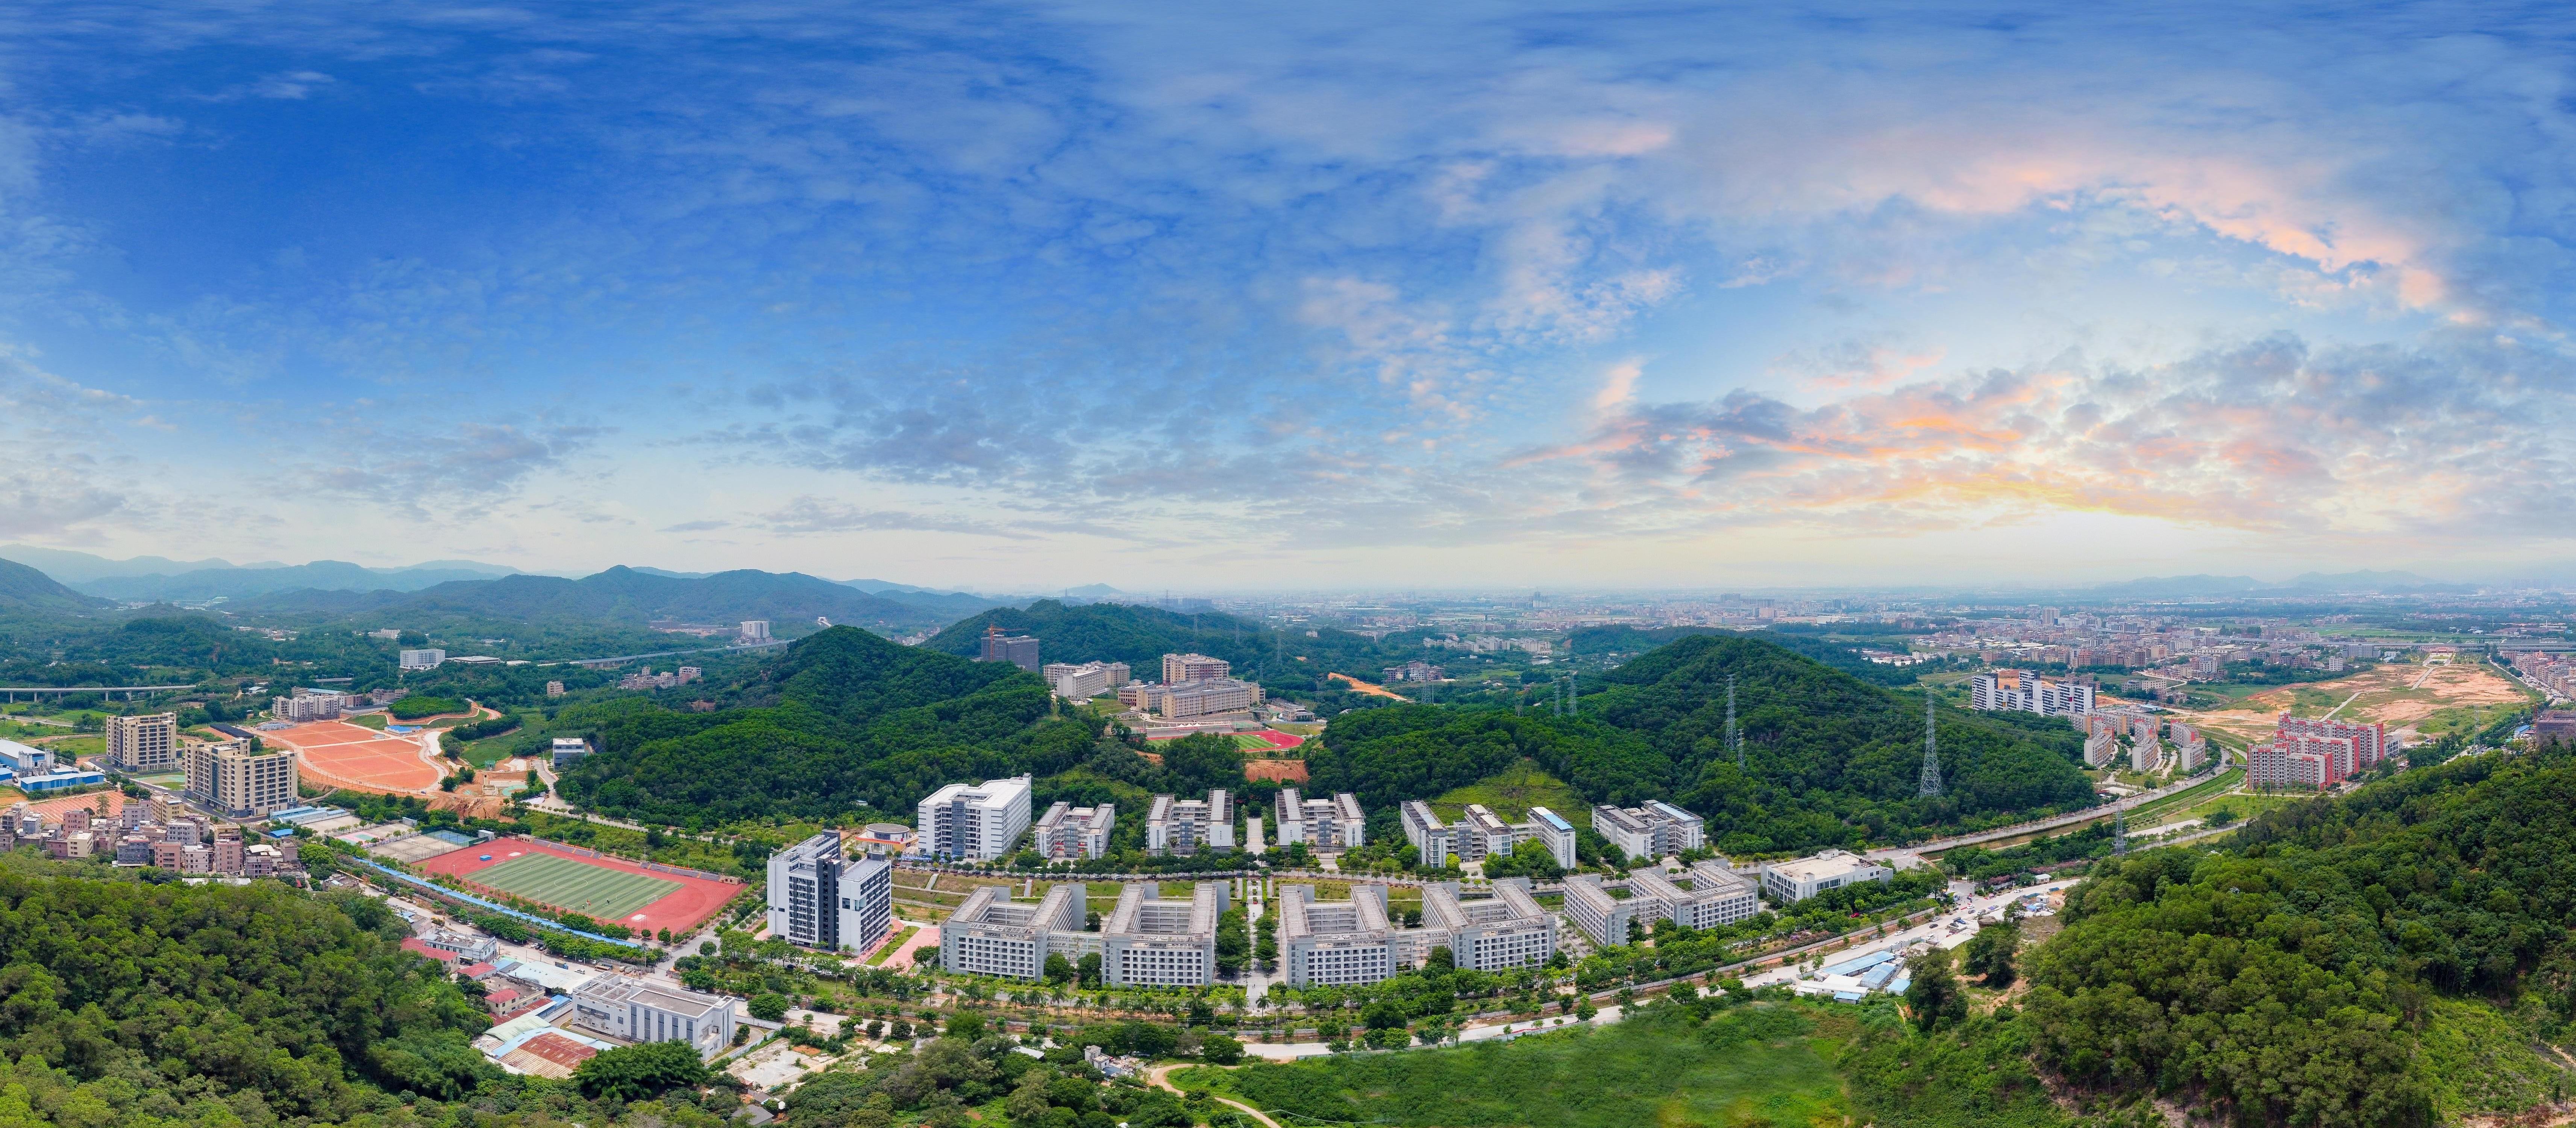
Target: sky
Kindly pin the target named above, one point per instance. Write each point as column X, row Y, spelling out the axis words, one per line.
column 1242, row 297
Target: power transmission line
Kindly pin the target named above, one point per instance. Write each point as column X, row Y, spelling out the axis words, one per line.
column 1930, row 784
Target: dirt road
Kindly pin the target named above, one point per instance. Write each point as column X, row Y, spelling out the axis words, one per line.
column 1160, row 1081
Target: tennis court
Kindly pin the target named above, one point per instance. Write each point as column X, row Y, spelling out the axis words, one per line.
column 570, row 883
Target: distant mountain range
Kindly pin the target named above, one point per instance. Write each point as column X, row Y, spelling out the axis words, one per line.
column 161, row 578
column 630, row 597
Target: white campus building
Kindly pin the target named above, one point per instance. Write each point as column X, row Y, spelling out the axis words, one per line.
column 1085, row 681
column 1150, row 942
column 1786, row 882
column 1322, row 824
column 1654, row 830
column 974, row 822
column 640, row 1010
column 1066, row 832
column 1480, row 834
column 1182, row 827
column 819, row 898
column 1355, row 941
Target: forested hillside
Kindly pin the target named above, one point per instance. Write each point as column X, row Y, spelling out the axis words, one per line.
column 26, row 592
column 215, row 1004
column 2334, row 969
column 844, row 720
column 1826, row 756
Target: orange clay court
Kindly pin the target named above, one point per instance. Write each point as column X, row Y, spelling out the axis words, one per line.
column 360, row 758
column 609, row 889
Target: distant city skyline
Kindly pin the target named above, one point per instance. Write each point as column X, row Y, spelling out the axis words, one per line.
column 1323, row 297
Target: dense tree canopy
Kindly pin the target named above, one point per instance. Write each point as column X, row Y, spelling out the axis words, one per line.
column 222, row 994
column 2300, row 979
column 845, row 720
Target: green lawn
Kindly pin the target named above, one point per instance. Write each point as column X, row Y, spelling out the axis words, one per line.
column 1513, row 791
column 1763, row 1065
column 569, row 883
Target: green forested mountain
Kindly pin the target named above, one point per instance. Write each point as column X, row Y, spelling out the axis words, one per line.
column 1826, row 755
column 2335, row 968
column 1140, row 636
column 845, row 719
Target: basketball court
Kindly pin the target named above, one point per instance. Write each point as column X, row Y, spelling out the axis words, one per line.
column 359, row 758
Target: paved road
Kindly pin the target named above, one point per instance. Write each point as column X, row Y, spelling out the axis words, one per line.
column 2074, row 818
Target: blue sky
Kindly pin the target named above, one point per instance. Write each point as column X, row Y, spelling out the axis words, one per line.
column 1311, row 295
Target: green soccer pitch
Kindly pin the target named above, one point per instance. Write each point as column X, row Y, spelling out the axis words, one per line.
column 569, row 883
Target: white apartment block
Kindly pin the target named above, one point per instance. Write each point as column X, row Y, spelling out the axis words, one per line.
column 307, row 707
column 1178, row 668
column 1436, row 841
column 423, row 659
column 819, row 898
column 1787, row 882
column 143, row 744
column 1204, row 697
column 1150, row 942
column 1654, row 830
column 1333, row 824
column 1506, row 930
column 974, row 822
column 991, row 935
column 1335, row 942
column 1085, row 681
column 2100, row 749
column 229, row 779
column 1183, row 826
column 639, row 1010
column 1345, row 942
column 1068, row 832
column 2026, row 692
column 804, row 888
column 2145, row 753
column 1551, row 828
column 1704, row 896
column 2191, row 755
column 1601, row 914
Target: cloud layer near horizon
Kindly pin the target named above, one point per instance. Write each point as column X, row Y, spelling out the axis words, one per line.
column 1244, row 297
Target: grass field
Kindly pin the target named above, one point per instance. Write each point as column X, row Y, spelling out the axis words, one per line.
column 1513, row 791
column 1766, row 1065
column 568, row 883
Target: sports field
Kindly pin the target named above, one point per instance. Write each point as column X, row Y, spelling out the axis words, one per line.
column 568, row 883
column 599, row 887
column 352, row 756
